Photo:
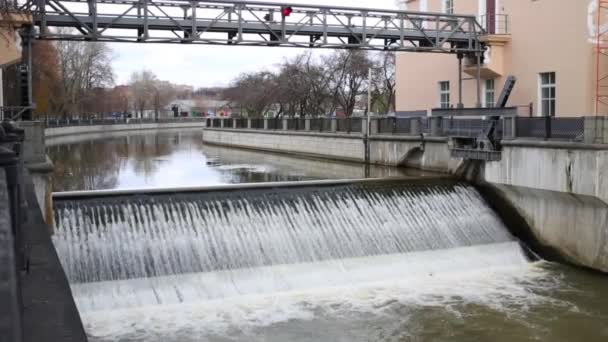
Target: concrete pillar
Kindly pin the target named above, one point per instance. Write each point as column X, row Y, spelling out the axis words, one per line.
column 307, row 124
column 234, row 123
column 221, row 123
column 285, row 123
column 594, row 130
column 248, row 123
column 415, row 126
column 373, row 126
column 436, row 126
column 334, row 126
column 509, row 128
column 34, row 151
column 605, row 131
column 265, row 124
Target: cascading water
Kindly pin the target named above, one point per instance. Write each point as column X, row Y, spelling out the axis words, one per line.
column 173, row 248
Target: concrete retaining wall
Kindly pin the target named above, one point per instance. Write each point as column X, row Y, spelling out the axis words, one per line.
column 561, row 190
column 570, row 168
column 430, row 154
column 345, row 147
column 73, row 130
column 383, row 150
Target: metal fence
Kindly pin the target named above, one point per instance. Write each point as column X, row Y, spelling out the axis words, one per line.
column 550, row 128
column 275, row 123
column 257, row 123
column 508, row 127
column 63, row 122
column 467, row 128
column 321, row 124
column 349, row 125
column 395, row 125
column 296, row 124
column 241, row 123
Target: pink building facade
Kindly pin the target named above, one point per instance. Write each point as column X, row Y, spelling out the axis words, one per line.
column 549, row 46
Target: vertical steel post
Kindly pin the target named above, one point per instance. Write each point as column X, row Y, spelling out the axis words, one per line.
column 478, row 80
column 25, row 72
column 460, row 57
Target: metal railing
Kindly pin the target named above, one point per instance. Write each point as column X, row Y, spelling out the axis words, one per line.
column 464, row 127
column 296, row 124
column 64, row 122
column 575, row 129
column 495, row 23
column 349, row 125
column 572, row 129
column 394, row 125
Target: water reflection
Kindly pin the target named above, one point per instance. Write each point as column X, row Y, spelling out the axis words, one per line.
column 179, row 158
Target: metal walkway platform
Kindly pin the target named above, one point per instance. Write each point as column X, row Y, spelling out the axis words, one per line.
column 225, row 22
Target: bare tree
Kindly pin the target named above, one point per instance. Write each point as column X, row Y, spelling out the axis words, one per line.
column 143, row 91
column 351, row 69
column 83, row 66
column 383, row 82
column 254, row 92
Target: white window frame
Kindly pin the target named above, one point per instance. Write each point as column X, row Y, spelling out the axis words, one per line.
column 447, row 6
column 551, row 99
column 487, row 91
column 444, row 92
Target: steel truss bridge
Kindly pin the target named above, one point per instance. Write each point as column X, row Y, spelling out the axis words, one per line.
column 226, row 22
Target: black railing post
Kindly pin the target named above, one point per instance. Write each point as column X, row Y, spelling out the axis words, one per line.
column 547, row 127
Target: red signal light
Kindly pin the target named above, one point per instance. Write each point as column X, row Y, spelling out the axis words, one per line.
column 286, row 11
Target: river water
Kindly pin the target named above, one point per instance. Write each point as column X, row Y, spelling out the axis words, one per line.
column 479, row 289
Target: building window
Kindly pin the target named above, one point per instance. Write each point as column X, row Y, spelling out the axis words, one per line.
column 444, row 94
column 547, row 94
column 448, row 6
column 490, row 94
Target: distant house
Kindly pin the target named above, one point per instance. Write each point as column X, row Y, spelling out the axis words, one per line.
column 183, row 108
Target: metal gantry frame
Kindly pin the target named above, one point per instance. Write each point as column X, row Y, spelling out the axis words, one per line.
column 246, row 23
column 229, row 22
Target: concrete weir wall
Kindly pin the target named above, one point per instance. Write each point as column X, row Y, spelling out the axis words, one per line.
column 338, row 146
column 561, row 190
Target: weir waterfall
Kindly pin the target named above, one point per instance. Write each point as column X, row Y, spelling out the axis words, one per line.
column 126, row 250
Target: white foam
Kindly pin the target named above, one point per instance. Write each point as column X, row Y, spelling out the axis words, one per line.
column 189, row 288
column 501, row 288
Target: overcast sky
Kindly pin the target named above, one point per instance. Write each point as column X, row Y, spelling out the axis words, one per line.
column 207, row 65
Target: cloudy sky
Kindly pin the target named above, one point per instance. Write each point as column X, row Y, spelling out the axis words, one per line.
column 206, row 65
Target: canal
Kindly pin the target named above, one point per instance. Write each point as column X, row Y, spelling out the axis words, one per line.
column 482, row 291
